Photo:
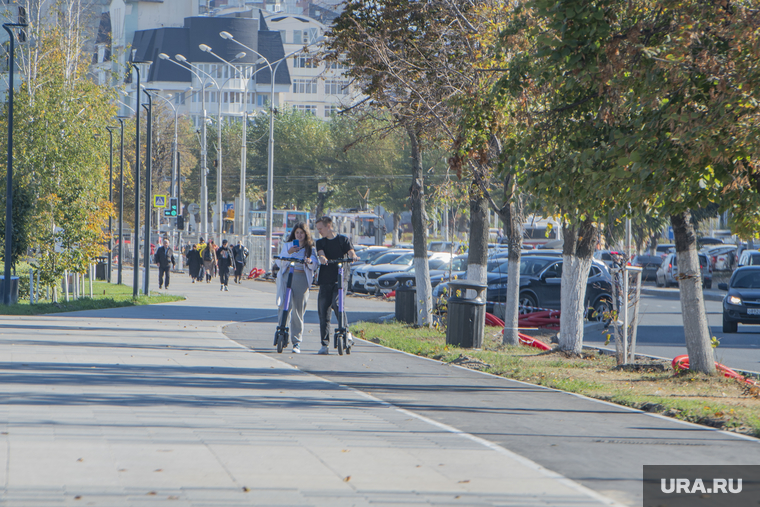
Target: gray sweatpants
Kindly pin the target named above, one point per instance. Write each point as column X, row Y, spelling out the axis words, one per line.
column 298, row 299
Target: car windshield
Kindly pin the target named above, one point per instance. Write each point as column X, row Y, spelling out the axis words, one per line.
column 532, row 266
column 497, row 266
column 459, row 264
column 365, row 254
column 746, row 280
column 385, row 258
column 404, row 260
column 437, row 264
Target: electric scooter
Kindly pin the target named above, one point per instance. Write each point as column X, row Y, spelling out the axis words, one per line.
column 341, row 340
column 282, row 335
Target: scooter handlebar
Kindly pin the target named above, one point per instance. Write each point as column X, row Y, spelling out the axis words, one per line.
column 347, row 260
column 290, row 259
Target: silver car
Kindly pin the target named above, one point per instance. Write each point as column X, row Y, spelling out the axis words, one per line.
column 667, row 274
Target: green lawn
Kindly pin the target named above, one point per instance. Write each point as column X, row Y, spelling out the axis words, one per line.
column 105, row 295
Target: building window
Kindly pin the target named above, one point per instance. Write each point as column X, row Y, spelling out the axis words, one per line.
column 304, row 86
column 313, row 35
column 331, row 110
column 336, row 87
column 307, row 108
column 297, row 36
column 263, row 100
column 304, row 62
column 336, row 66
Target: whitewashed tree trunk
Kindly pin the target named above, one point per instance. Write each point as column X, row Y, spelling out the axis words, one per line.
column 394, row 235
column 578, row 249
column 695, row 325
column 477, row 253
column 511, row 309
column 574, row 278
column 419, row 229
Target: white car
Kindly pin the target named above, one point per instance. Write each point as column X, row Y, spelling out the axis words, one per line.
column 723, row 257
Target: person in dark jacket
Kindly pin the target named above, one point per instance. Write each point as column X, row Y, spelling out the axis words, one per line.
column 224, row 260
column 164, row 257
column 194, row 263
column 240, row 254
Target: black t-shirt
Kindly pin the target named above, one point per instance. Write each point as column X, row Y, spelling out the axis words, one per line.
column 335, row 248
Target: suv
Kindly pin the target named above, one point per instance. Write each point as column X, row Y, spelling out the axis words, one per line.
column 667, row 275
column 749, row 258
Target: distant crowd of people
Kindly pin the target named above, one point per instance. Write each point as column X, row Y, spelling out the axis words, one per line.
column 204, row 260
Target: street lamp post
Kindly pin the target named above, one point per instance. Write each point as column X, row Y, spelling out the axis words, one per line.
column 136, row 275
column 240, row 213
column 270, row 157
column 121, row 204
column 204, row 162
column 148, row 191
column 110, row 199
column 218, row 142
column 9, row 175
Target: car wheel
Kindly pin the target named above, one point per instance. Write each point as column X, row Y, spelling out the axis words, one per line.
column 708, row 284
column 657, row 282
column 526, row 300
column 600, row 308
column 729, row 326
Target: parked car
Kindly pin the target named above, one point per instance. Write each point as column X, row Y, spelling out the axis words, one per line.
column 541, row 285
column 436, row 270
column 663, row 249
column 374, row 272
column 667, row 274
column 606, row 256
column 749, row 258
column 496, row 268
column 649, row 265
column 742, row 302
column 358, row 275
column 446, row 246
column 701, row 242
column 722, row 257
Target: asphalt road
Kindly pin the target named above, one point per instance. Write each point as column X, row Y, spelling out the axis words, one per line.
column 661, row 334
column 600, row 445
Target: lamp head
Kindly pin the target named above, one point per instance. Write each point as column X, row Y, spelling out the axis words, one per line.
column 226, row 35
column 164, row 56
column 205, row 48
column 240, row 55
column 180, row 58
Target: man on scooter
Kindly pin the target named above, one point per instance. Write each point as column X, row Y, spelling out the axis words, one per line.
column 331, row 246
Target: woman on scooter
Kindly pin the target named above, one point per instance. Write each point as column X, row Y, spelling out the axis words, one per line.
column 300, row 246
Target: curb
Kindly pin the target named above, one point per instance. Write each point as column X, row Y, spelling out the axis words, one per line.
column 675, row 294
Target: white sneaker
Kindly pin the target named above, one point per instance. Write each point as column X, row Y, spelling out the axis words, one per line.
column 296, row 349
column 226, row 289
column 221, row 288
column 324, row 351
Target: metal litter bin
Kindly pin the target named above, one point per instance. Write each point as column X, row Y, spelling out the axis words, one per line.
column 14, row 289
column 466, row 314
column 101, row 268
column 406, row 299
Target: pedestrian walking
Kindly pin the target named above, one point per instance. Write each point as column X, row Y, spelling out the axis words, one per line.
column 331, row 246
column 164, row 258
column 209, row 259
column 194, row 263
column 224, row 261
column 299, row 245
column 240, row 254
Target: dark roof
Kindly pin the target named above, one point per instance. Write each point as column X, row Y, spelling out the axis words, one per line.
column 270, row 45
column 262, row 21
column 205, row 30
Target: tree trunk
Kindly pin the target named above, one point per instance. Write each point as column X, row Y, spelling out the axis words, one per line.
column 477, row 254
column 576, row 256
column 695, row 325
column 513, row 224
column 419, row 230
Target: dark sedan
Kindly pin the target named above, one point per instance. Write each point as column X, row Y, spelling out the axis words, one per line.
column 540, row 285
column 649, row 265
column 742, row 303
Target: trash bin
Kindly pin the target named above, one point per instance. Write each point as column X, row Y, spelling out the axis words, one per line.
column 406, row 299
column 101, row 268
column 466, row 314
column 14, row 289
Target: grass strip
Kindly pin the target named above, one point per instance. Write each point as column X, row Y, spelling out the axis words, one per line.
column 708, row 400
column 105, row 295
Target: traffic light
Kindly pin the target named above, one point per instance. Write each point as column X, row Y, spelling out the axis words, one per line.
column 181, row 223
column 172, row 211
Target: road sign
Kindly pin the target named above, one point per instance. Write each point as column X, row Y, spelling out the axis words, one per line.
column 193, row 208
column 322, row 188
column 159, row 201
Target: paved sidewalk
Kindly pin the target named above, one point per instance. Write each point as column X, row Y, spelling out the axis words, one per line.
column 144, row 405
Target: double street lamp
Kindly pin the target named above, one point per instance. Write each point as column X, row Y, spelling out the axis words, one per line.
column 270, row 158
